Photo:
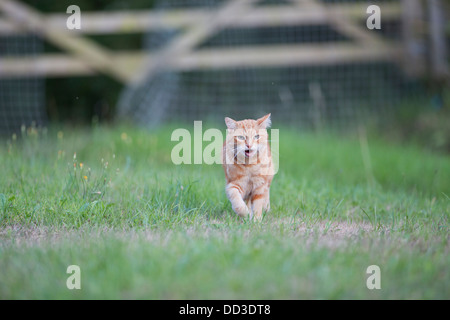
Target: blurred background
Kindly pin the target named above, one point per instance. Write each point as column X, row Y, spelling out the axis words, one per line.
column 314, row 64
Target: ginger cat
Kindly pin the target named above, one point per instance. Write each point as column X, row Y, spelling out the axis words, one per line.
column 248, row 166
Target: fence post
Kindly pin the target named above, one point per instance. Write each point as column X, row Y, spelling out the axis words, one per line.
column 438, row 52
column 413, row 32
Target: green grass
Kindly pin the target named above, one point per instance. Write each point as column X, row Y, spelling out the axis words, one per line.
column 140, row 227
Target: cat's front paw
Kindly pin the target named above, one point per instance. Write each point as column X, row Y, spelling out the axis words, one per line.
column 241, row 211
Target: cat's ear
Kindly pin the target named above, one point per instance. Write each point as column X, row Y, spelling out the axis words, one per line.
column 231, row 124
column 264, row 122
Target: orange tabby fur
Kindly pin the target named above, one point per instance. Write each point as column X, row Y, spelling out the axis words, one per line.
column 248, row 166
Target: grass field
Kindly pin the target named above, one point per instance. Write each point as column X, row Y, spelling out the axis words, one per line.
column 140, row 227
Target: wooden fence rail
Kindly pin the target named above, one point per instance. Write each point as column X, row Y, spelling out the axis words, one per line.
column 147, row 20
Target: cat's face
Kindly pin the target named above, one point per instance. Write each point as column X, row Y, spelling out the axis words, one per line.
column 247, row 138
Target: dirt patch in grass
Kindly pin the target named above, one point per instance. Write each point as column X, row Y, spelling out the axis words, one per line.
column 323, row 233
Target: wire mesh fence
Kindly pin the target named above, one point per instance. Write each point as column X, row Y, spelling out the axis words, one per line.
column 310, row 63
column 311, row 95
column 22, row 99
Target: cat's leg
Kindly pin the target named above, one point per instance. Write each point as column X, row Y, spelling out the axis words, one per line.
column 260, row 201
column 234, row 194
column 266, row 205
column 249, row 206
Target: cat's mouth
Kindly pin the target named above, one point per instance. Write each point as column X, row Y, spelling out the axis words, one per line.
column 249, row 152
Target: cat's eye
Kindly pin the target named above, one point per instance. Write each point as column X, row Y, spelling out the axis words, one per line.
column 241, row 138
column 256, row 137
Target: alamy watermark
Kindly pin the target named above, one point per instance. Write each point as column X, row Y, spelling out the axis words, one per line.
column 74, row 20
column 190, row 150
column 374, row 20
column 374, row 280
column 74, row 280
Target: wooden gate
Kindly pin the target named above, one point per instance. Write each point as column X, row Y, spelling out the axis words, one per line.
column 85, row 57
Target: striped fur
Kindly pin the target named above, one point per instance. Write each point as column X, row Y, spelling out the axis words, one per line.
column 248, row 167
